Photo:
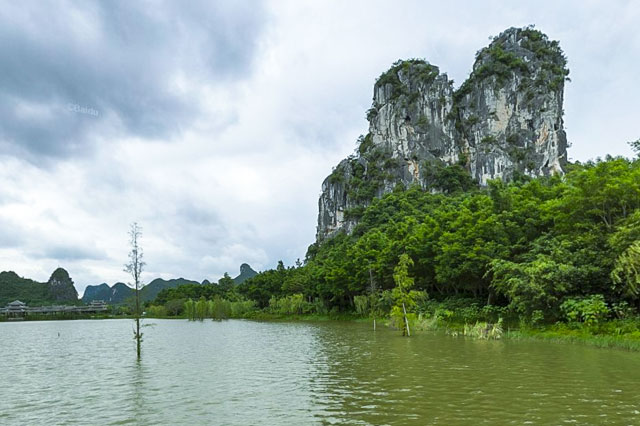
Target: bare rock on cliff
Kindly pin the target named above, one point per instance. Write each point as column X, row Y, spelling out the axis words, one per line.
column 61, row 288
column 504, row 120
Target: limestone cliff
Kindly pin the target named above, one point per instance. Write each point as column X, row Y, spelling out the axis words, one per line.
column 504, row 120
column 246, row 272
column 61, row 288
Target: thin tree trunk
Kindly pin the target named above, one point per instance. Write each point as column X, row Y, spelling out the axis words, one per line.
column 137, row 322
column 406, row 320
column 372, row 290
column 134, row 267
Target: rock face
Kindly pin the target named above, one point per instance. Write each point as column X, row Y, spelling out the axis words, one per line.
column 505, row 120
column 61, row 289
column 246, row 272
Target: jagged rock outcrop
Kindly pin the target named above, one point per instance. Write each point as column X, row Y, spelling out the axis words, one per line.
column 504, row 120
column 61, row 288
column 246, row 272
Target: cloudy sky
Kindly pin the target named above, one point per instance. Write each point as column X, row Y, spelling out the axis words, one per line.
column 213, row 124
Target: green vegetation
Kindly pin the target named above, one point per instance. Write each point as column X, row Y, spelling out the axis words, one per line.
column 484, row 330
column 404, row 298
column 364, row 176
column 538, row 63
column 13, row 287
column 365, row 143
column 58, row 290
column 499, row 61
column 555, row 255
column 417, row 70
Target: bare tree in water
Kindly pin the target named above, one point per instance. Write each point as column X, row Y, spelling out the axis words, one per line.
column 134, row 268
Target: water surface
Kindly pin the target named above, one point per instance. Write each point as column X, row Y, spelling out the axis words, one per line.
column 254, row 373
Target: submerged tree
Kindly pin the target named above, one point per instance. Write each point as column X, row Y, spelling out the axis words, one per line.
column 402, row 294
column 202, row 309
column 190, row 309
column 134, row 268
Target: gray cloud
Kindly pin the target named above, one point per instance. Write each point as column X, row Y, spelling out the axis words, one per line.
column 65, row 253
column 11, row 235
column 217, row 122
column 120, row 59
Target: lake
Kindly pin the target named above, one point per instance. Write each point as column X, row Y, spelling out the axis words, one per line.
column 270, row 373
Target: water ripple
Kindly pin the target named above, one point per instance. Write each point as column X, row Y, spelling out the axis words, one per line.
column 252, row 373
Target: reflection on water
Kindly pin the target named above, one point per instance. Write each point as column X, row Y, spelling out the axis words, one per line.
column 243, row 373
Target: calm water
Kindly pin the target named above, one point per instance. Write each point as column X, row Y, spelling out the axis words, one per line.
column 244, row 373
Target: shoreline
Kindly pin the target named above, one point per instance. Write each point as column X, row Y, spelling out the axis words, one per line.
column 581, row 336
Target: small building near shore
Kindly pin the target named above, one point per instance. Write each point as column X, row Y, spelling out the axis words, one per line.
column 16, row 308
column 20, row 309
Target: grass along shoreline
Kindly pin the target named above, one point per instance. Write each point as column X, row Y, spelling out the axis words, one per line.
column 615, row 334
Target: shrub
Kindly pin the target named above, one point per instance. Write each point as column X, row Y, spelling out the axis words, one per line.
column 484, row 330
column 156, row 311
column 242, row 308
column 361, row 304
column 589, row 310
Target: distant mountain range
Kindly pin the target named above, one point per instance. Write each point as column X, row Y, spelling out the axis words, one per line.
column 60, row 289
column 120, row 292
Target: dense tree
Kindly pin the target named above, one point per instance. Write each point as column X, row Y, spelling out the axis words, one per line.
column 529, row 246
column 404, row 297
column 626, row 272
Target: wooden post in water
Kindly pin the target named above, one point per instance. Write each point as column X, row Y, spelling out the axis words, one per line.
column 406, row 320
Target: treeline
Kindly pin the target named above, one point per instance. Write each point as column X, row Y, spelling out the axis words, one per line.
column 531, row 245
column 541, row 249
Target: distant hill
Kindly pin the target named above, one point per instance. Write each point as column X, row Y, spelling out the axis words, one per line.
column 111, row 295
column 246, row 272
column 60, row 287
column 120, row 292
column 151, row 290
column 58, row 290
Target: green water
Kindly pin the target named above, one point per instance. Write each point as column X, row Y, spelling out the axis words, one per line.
column 252, row 373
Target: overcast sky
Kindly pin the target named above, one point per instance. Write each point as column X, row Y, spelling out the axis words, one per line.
column 213, row 124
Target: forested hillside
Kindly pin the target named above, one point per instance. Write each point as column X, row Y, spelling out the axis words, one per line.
column 531, row 244
column 59, row 289
column 532, row 248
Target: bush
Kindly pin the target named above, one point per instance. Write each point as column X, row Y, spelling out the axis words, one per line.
column 290, row 305
column 361, row 304
column 219, row 308
column 175, row 307
column 589, row 310
column 156, row 311
column 241, row 308
column 484, row 330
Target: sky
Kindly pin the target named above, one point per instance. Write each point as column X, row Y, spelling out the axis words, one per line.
column 213, row 123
